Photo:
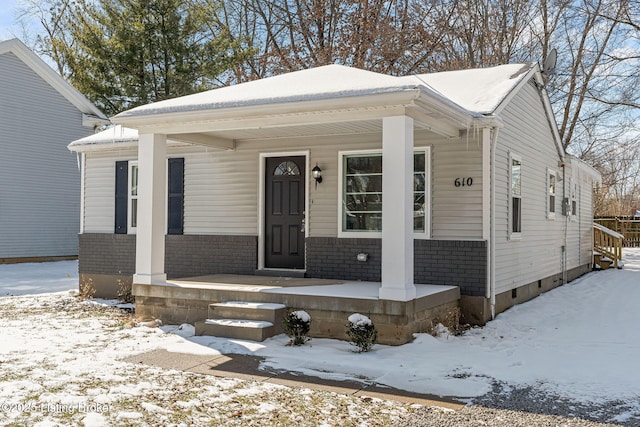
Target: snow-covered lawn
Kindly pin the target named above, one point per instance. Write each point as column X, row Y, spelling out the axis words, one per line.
column 60, row 365
column 578, row 344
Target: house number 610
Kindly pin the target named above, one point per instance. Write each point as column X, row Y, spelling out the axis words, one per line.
column 463, row 182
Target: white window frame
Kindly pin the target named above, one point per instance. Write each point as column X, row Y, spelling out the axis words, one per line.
column 573, row 198
column 130, row 197
column 551, row 207
column 130, row 165
column 514, row 235
column 426, row 234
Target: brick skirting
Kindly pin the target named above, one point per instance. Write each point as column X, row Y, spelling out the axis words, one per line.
column 440, row 262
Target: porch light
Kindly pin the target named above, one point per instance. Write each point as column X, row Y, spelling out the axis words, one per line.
column 317, row 174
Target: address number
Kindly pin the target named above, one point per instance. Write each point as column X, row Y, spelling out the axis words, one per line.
column 463, row 182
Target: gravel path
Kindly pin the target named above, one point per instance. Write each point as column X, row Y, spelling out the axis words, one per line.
column 474, row 416
column 526, row 407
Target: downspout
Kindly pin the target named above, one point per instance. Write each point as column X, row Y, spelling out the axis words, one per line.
column 567, row 215
column 492, row 224
column 82, row 161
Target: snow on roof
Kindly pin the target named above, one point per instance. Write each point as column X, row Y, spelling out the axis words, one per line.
column 478, row 90
column 481, row 89
column 329, row 81
column 113, row 135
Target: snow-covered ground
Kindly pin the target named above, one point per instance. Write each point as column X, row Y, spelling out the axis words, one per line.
column 579, row 343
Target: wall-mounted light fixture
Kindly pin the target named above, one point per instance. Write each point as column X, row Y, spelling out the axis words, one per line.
column 317, row 174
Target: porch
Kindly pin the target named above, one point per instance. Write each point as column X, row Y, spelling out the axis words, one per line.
column 329, row 302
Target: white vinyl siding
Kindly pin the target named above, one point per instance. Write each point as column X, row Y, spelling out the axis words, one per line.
column 538, row 252
column 456, row 211
column 221, row 188
column 100, row 179
column 40, row 195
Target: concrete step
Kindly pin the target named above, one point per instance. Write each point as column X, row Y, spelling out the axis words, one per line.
column 257, row 311
column 236, row 328
column 602, row 262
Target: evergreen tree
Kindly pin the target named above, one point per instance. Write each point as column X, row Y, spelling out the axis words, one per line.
column 125, row 53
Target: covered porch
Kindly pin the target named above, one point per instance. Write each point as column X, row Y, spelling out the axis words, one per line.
column 371, row 114
column 193, row 300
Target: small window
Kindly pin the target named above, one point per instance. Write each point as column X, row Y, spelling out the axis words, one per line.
column 287, row 168
column 132, row 214
column 516, row 196
column 419, row 192
column 574, row 197
column 551, row 194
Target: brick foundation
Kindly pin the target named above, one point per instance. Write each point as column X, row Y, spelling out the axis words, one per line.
column 438, row 262
column 108, row 260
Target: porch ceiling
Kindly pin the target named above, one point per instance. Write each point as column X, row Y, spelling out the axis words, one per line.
column 214, row 138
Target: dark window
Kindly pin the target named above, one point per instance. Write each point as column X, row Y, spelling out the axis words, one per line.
column 122, row 193
column 175, row 219
column 516, row 196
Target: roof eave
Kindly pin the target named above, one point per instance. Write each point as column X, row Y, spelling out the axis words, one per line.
column 410, row 101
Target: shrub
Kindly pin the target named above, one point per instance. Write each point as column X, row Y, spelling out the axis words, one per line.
column 124, row 292
column 296, row 326
column 362, row 332
column 86, row 290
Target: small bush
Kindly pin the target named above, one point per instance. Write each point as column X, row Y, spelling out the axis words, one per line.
column 124, row 292
column 296, row 326
column 362, row 332
column 449, row 323
column 87, row 291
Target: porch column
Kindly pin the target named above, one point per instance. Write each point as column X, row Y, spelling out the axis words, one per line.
column 397, row 209
column 152, row 184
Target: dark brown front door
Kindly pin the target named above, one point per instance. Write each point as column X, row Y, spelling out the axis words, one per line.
column 284, row 212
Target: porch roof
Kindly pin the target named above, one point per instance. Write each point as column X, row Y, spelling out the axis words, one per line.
column 476, row 91
column 302, row 102
column 443, row 102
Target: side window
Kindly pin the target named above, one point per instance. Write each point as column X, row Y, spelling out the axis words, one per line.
column 551, row 194
column 132, row 212
column 516, row 196
column 573, row 185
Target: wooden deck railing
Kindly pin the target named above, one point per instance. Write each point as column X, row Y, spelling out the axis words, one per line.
column 628, row 226
column 608, row 243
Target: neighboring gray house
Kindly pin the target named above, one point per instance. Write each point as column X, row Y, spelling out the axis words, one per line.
column 40, row 192
column 477, row 194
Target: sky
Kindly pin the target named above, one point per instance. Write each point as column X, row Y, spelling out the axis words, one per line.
column 8, row 27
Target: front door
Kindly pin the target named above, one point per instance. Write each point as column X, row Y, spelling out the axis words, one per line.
column 284, row 212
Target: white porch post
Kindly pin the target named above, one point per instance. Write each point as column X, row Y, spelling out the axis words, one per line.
column 397, row 209
column 152, row 184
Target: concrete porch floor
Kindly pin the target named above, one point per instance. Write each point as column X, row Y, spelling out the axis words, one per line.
column 329, row 302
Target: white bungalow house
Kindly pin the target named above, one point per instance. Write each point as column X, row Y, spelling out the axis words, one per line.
column 454, row 179
column 40, row 192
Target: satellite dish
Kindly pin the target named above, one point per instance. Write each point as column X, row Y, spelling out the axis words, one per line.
column 549, row 65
